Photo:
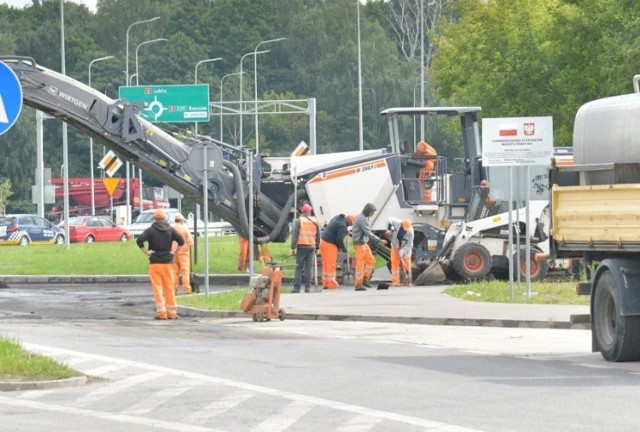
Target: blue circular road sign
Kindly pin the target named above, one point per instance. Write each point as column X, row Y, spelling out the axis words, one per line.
column 10, row 98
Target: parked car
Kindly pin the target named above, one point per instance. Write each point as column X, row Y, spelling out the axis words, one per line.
column 90, row 229
column 24, row 229
column 145, row 219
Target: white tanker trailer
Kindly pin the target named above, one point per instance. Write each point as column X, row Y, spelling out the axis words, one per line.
column 595, row 215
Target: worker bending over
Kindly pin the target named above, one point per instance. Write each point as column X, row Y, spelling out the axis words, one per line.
column 331, row 242
column 361, row 233
column 401, row 236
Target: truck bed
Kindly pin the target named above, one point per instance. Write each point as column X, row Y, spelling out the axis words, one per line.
column 596, row 208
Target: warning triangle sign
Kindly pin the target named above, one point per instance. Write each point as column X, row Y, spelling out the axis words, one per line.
column 111, row 184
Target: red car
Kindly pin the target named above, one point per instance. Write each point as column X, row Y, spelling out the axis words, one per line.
column 91, row 229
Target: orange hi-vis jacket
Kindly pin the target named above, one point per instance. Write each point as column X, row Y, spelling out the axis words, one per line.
column 308, row 231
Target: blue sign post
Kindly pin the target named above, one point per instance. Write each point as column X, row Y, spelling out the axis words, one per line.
column 10, row 98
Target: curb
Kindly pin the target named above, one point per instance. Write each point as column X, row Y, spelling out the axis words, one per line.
column 33, row 385
column 577, row 322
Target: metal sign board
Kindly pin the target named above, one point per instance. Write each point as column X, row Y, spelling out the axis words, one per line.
column 170, row 103
column 517, row 141
column 110, row 163
column 10, row 98
column 111, row 184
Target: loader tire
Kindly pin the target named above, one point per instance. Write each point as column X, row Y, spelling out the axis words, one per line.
column 471, row 262
column 538, row 268
column 617, row 336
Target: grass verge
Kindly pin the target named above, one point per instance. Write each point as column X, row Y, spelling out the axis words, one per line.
column 18, row 364
column 563, row 293
column 224, row 301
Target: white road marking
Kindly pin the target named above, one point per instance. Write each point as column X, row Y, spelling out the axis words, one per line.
column 149, row 403
column 150, row 422
column 359, row 424
column 116, row 387
column 161, row 371
column 103, row 370
column 284, row 417
column 219, row 406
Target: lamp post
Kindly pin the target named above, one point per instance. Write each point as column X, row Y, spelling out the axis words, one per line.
column 93, row 191
column 127, row 41
column 221, row 94
column 253, row 53
column 195, row 79
column 255, row 83
column 138, row 47
column 128, row 79
column 360, row 132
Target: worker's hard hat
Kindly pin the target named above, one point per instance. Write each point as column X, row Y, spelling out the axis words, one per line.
column 306, row 209
column 406, row 224
column 159, row 214
column 178, row 217
column 422, row 146
column 351, row 219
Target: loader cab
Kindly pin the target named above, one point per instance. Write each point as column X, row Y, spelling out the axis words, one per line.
column 447, row 187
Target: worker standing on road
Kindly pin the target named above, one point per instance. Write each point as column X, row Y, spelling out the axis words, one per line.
column 401, row 237
column 332, row 241
column 361, row 233
column 305, row 242
column 424, row 150
column 182, row 255
column 160, row 237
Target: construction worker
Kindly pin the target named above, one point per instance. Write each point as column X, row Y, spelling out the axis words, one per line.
column 332, row 241
column 243, row 255
column 361, row 234
column 423, row 149
column 182, row 255
column 305, row 243
column 160, row 237
column 401, row 236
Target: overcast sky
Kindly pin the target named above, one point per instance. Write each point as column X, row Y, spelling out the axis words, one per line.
column 91, row 4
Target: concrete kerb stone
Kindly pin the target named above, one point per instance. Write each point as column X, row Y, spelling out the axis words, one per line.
column 39, row 385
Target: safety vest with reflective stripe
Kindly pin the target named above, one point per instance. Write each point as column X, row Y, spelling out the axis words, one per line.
column 308, row 230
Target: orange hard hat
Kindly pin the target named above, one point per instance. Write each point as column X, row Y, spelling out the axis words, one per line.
column 406, row 224
column 351, row 219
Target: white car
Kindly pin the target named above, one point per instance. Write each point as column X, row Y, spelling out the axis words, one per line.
column 145, row 219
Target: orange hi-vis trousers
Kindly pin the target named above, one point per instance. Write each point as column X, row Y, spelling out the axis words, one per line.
column 164, row 295
column 243, row 255
column 365, row 263
column 398, row 264
column 329, row 253
column 181, row 269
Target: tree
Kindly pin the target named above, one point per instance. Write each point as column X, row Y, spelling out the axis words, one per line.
column 5, row 193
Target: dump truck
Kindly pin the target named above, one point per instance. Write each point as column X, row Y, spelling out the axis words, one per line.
column 595, row 216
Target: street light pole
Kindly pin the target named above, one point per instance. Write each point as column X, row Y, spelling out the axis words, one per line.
column 221, row 94
column 138, row 47
column 93, row 190
column 253, row 53
column 128, row 82
column 127, row 41
column 360, row 132
column 255, row 83
column 195, row 79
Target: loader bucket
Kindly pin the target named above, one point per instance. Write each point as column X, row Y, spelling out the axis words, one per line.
column 431, row 275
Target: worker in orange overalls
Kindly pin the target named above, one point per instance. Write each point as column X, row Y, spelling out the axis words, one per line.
column 182, row 255
column 401, row 235
column 305, row 243
column 160, row 237
column 361, row 234
column 423, row 149
column 332, row 241
column 243, row 255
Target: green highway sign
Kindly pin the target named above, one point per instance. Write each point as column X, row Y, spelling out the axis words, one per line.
column 170, row 103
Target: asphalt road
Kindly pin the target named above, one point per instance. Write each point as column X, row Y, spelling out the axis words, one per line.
column 205, row 374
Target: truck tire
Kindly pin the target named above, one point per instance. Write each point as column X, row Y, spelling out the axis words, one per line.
column 617, row 336
column 538, row 268
column 471, row 261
